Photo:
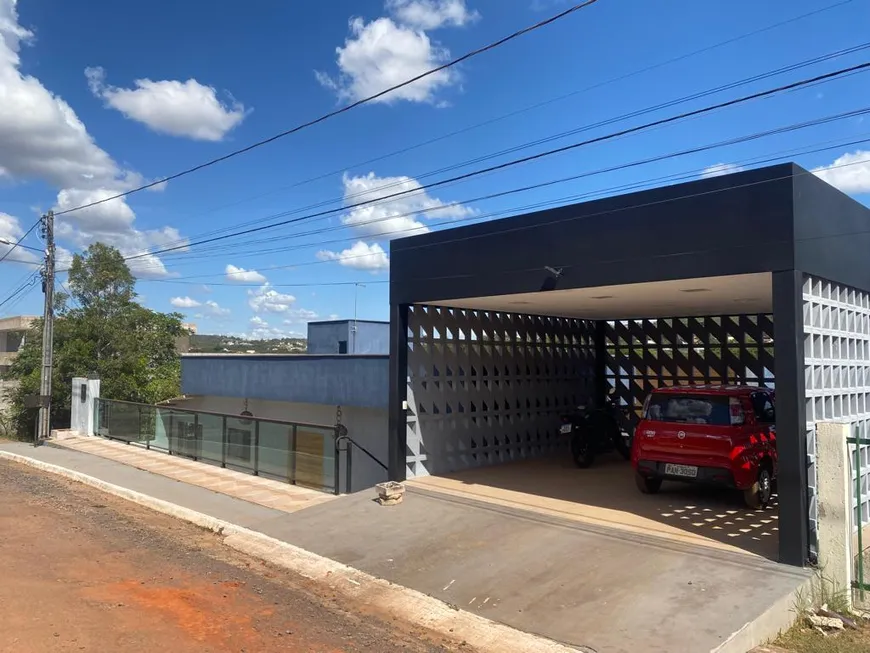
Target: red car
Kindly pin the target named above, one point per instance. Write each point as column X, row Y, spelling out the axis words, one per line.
column 716, row 435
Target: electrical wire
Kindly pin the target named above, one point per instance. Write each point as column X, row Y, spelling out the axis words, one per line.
column 23, row 288
column 469, row 55
column 416, row 213
column 20, row 240
column 500, row 118
column 540, row 141
column 475, row 173
column 633, row 186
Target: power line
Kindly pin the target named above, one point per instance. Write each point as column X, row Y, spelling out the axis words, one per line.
column 344, row 109
column 182, row 244
column 415, row 213
column 23, row 288
column 634, row 185
column 625, row 166
column 669, row 178
column 608, row 212
column 475, row 173
column 19, row 241
column 506, row 116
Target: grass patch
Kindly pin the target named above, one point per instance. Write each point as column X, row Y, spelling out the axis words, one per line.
column 804, row 639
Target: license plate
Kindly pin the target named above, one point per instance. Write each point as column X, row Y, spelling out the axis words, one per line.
column 689, row 471
column 565, row 428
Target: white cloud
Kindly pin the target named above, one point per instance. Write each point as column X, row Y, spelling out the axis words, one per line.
column 63, row 258
column 41, row 137
column 300, row 315
column 112, row 223
column 262, row 330
column 266, row 299
column 381, row 54
column 214, row 309
column 390, row 218
column 360, row 256
column 850, row 172
column 10, row 232
column 241, row 275
column 188, row 109
column 719, row 169
column 184, row 302
column 431, row 14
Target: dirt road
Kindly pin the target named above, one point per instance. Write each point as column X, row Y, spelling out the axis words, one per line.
column 83, row 571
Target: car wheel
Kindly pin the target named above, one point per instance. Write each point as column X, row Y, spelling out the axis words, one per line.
column 759, row 493
column 582, row 452
column 646, row 484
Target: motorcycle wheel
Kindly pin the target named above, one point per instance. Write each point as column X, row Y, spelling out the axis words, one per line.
column 582, row 452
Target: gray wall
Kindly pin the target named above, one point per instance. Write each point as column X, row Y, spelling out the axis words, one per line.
column 336, row 380
column 323, row 337
column 371, row 337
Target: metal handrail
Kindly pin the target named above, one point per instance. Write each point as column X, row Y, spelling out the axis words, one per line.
column 348, row 469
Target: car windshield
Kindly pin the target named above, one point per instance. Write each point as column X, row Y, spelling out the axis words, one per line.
column 690, row 409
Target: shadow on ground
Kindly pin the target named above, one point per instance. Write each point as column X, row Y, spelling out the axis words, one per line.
column 606, row 492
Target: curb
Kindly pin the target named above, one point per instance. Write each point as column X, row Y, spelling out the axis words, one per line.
column 396, row 601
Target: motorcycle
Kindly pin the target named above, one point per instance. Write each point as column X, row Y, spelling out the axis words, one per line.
column 596, row 430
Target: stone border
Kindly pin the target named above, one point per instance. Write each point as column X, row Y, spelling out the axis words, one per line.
column 394, row 600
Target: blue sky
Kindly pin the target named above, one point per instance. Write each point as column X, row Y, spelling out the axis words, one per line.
column 98, row 97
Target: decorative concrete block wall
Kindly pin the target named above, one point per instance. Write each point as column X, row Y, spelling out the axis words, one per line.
column 487, row 387
column 642, row 355
column 837, row 372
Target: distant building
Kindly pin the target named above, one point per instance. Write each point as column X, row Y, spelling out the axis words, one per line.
column 13, row 334
column 182, row 342
column 349, row 337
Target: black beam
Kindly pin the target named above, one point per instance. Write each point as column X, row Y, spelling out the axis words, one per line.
column 791, row 442
column 668, row 233
column 398, row 391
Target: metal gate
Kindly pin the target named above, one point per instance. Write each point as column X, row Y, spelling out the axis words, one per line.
column 861, row 512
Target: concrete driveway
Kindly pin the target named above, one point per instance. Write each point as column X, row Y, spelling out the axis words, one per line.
column 605, row 495
column 590, row 585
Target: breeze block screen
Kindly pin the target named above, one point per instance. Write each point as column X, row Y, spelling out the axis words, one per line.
column 488, row 387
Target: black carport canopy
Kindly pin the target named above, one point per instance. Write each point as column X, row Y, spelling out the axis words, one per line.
column 755, row 277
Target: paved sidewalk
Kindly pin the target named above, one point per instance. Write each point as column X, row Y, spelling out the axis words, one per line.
column 586, row 586
column 220, row 506
column 255, row 489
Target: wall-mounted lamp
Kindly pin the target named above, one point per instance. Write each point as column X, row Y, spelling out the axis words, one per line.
column 551, row 281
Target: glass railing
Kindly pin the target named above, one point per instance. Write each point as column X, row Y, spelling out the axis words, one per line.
column 303, row 454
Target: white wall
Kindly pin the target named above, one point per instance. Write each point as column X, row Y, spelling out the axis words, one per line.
column 367, row 426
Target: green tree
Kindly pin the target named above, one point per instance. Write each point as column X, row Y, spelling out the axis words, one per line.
column 100, row 329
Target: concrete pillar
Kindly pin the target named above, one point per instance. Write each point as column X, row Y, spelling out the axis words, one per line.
column 83, row 409
column 833, row 472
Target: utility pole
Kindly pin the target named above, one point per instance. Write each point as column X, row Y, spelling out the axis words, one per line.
column 44, row 424
column 356, row 288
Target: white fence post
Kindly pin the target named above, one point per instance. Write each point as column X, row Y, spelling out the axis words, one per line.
column 84, row 391
column 834, row 487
